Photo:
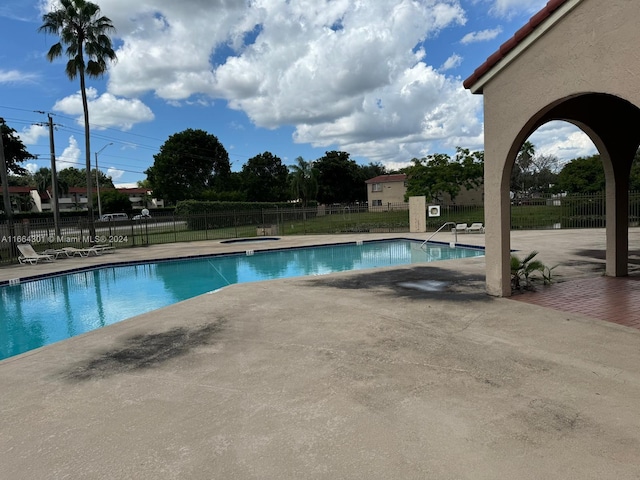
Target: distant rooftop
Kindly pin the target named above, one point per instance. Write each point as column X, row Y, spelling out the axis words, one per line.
column 400, row 177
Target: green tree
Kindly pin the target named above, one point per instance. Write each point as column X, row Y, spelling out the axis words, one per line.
column 339, row 179
column 104, row 180
column 85, row 33
column 634, row 176
column 265, row 179
column 545, row 173
column 304, row 181
column 231, row 190
column 74, row 177
column 521, row 171
column 143, row 183
column 189, row 163
column 14, row 150
column 582, row 175
column 43, row 181
column 113, row 201
column 372, row 170
column 25, row 180
column 437, row 174
column 533, row 173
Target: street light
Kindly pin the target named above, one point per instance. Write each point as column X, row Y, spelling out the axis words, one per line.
column 98, row 181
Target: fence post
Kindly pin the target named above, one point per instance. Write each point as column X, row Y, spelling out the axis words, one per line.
column 235, row 223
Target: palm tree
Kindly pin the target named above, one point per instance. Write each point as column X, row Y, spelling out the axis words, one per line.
column 84, row 32
column 44, row 180
column 304, row 180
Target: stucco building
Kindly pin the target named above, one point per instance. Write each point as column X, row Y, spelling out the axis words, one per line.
column 386, row 191
column 577, row 61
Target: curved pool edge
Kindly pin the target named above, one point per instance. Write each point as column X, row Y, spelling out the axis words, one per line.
column 122, row 263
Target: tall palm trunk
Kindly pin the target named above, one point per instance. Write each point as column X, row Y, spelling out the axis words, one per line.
column 80, row 27
column 87, row 150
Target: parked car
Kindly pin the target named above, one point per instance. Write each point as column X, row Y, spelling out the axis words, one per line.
column 114, row 217
column 141, row 216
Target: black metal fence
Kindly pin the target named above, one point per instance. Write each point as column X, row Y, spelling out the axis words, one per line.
column 551, row 212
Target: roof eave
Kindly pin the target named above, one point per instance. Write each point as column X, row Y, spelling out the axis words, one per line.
column 537, row 26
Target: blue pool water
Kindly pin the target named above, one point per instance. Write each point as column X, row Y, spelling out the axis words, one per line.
column 41, row 312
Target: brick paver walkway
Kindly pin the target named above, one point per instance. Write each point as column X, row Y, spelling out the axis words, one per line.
column 607, row 298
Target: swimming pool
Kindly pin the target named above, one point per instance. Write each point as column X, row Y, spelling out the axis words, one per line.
column 45, row 311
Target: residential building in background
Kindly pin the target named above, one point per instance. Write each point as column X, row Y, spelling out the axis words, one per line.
column 388, row 191
column 28, row 199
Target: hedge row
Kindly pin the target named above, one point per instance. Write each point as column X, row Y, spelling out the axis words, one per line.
column 194, row 207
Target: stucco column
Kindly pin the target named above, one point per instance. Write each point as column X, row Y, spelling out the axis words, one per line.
column 617, row 225
column 497, row 217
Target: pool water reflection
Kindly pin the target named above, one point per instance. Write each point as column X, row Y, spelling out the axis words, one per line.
column 41, row 312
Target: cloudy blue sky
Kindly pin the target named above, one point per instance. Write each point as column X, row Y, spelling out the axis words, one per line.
column 380, row 79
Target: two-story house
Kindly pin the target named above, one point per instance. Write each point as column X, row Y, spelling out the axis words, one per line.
column 387, row 192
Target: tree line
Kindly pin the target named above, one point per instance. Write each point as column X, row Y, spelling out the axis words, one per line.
column 194, row 165
column 534, row 175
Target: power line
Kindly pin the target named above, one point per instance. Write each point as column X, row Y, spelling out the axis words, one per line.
column 96, row 134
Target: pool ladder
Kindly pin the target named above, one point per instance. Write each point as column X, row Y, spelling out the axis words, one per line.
column 455, row 234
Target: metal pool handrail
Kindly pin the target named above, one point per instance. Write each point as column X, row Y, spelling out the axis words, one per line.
column 455, row 233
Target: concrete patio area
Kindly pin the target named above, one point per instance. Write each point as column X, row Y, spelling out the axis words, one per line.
column 369, row 374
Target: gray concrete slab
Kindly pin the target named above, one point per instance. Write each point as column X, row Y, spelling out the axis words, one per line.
column 351, row 375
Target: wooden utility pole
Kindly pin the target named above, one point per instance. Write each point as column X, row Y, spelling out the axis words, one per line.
column 54, row 180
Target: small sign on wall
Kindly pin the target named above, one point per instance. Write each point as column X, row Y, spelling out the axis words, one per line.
column 434, row 210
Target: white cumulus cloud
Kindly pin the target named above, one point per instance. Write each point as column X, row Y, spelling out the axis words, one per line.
column 452, row 62
column 481, row 36
column 562, row 140
column 343, row 73
column 114, row 173
column 70, row 157
column 31, row 134
column 105, row 110
column 16, row 76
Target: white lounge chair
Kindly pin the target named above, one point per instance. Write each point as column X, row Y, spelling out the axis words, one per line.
column 29, row 255
column 57, row 253
column 104, row 248
column 461, row 227
column 81, row 252
column 476, row 228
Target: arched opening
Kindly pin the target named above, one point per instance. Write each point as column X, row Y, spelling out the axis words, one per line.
column 539, row 179
column 611, row 124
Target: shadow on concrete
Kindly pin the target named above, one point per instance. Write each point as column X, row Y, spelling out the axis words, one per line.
column 600, row 254
column 424, row 282
column 144, row 351
column 598, row 258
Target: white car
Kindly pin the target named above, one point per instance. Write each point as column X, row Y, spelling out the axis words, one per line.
column 140, row 217
column 114, row 217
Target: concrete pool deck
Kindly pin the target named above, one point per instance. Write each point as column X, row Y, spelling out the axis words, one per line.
column 406, row 372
